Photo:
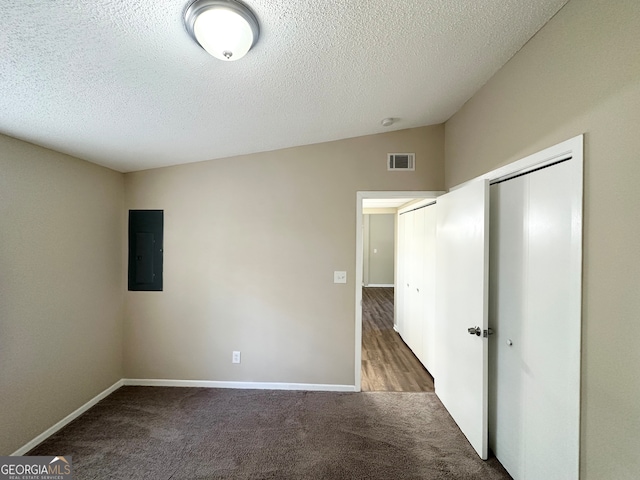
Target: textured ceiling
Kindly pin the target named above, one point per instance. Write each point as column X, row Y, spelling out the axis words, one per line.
column 122, row 84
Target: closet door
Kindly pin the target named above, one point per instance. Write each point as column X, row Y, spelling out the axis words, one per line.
column 416, row 283
column 407, row 246
column 429, row 289
column 462, row 292
column 416, row 291
column 399, row 293
column 506, row 288
column 535, row 311
column 407, row 326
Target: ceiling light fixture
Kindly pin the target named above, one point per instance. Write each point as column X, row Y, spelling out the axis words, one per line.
column 225, row 28
column 387, row 122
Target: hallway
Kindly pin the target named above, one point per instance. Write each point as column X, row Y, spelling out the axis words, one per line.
column 387, row 363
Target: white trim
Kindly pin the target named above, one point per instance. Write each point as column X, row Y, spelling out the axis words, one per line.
column 379, row 285
column 418, row 204
column 66, row 420
column 571, row 148
column 360, row 196
column 574, row 147
column 321, row 387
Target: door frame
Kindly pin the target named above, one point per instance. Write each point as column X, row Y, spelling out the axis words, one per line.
column 571, row 148
column 360, row 196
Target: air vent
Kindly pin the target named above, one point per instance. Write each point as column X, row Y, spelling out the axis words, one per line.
column 401, row 161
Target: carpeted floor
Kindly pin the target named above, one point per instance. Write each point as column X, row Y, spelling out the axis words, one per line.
column 164, row 433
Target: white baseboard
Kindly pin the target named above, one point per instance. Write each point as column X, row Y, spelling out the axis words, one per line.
column 380, row 285
column 395, row 327
column 66, row 420
column 322, row 387
column 177, row 383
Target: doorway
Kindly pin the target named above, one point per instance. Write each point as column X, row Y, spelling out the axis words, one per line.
column 463, row 338
column 384, row 362
column 388, row 364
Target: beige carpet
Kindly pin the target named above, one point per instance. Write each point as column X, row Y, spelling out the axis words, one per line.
column 194, row 433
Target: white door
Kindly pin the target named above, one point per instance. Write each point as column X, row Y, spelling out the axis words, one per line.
column 462, row 291
column 416, row 291
column 535, row 312
column 399, row 293
column 429, row 289
column 407, row 326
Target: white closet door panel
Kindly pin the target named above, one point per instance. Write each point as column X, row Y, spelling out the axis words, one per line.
column 417, row 289
column 462, row 291
column 429, row 289
column 408, row 327
column 551, row 351
column 399, row 292
column 535, row 312
column 507, row 396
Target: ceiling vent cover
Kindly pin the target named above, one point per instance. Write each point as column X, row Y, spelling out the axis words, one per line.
column 401, row 161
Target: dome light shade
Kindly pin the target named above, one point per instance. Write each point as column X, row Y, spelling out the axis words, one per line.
column 225, row 28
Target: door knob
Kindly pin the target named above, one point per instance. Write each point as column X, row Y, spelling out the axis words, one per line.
column 474, row 331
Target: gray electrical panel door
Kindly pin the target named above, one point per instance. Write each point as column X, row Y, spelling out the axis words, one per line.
column 145, row 249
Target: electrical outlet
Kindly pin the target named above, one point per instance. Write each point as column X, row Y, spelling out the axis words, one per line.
column 235, row 357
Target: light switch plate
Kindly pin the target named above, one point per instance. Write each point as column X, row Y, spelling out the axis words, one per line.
column 339, row 277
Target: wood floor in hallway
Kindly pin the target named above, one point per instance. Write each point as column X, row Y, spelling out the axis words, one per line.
column 387, row 363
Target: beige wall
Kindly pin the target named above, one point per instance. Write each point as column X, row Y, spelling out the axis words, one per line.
column 381, row 248
column 581, row 74
column 60, row 287
column 251, row 244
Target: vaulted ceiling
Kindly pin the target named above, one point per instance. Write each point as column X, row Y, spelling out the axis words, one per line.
column 123, row 85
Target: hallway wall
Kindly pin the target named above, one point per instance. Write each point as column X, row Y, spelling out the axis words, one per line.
column 380, row 249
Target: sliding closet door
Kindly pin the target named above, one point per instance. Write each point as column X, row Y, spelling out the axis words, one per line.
column 416, row 282
column 416, row 290
column 462, row 293
column 429, row 290
column 407, row 324
column 535, row 311
column 399, row 293
column 506, row 289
